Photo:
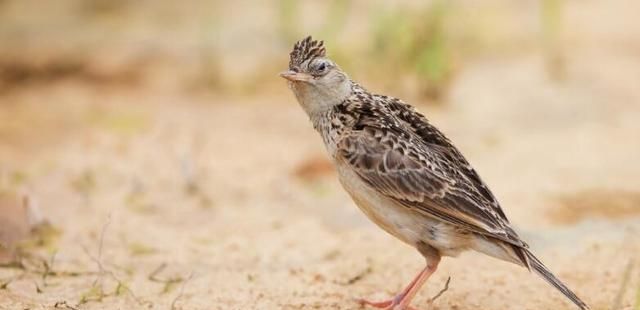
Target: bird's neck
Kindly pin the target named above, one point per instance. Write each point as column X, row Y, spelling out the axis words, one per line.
column 333, row 123
column 329, row 130
column 318, row 101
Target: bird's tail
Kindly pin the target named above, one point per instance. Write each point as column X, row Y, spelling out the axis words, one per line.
column 536, row 265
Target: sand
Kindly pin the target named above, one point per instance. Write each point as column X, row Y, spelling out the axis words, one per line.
column 168, row 199
column 205, row 205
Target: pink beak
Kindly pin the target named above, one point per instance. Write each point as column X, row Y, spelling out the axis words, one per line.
column 295, row 76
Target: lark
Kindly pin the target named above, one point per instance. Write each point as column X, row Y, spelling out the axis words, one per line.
column 403, row 173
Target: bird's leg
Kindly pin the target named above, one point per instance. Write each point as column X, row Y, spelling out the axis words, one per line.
column 395, row 300
column 402, row 300
column 432, row 265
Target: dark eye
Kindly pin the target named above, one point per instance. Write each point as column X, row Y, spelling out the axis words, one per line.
column 322, row 66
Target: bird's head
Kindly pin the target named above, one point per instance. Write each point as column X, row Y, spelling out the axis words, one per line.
column 316, row 80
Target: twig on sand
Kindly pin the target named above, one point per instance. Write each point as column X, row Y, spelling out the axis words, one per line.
column 98, row 260
column 617, row 301
column 168, row 282
column 184, row 283
column 4, row 283
column 48, row 267
column 444, row 289
column 637, row 301
column 31, row 264
column 153, row 276
column 63, row 305
column 357, row 277
column 98, row 282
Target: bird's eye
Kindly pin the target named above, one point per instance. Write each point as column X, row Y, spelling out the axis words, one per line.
column 322, row 66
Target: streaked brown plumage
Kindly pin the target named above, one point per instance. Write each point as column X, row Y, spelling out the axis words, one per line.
column 403, row 173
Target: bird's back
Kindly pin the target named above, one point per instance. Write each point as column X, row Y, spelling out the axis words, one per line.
column 399, row 153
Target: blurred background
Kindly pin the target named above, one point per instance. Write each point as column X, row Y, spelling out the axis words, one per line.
column 151, row 157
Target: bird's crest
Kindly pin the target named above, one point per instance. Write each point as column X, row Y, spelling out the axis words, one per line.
column 305, row 49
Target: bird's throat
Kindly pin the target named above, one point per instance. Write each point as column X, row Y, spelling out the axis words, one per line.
column 317, row 101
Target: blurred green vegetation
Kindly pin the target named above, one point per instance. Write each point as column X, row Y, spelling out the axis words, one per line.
column 103, row 8
column 416, row 42
column 551, row 15
column 218, row 47
column 210, row 73
column 287, row 10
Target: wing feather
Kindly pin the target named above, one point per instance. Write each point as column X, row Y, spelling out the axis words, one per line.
column 411, row 162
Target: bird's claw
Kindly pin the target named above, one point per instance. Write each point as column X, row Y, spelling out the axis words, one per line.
column 391, row 304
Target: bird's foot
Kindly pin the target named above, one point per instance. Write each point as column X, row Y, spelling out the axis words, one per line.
column 386, row 304
column 391, row 304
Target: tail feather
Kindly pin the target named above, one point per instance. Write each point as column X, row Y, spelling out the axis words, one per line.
column 536, row 265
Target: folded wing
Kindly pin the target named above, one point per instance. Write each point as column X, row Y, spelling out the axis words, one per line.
column 416, row 166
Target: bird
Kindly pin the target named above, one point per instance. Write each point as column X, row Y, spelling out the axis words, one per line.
column 404, row 174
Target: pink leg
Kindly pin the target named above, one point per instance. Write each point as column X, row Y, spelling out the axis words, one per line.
column 431, row 268
column 395, row 300
column 402, row 300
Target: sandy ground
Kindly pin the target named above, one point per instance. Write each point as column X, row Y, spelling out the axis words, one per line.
column 162, row 199
column 203, row 204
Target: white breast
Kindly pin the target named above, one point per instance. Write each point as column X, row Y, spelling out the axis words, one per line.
column 394, row 219
column 408, row 225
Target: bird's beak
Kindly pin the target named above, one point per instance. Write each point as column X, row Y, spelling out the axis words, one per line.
column 295, row 76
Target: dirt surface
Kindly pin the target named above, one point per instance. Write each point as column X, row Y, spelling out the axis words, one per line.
column 164, row 197
column 172, row 202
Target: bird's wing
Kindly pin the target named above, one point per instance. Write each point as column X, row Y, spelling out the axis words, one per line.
column 433, row 179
